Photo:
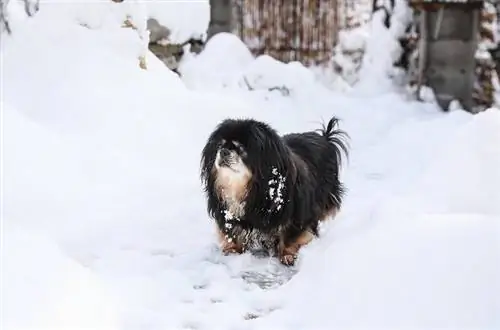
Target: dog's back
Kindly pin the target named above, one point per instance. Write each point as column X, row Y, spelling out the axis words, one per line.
column 322, row 154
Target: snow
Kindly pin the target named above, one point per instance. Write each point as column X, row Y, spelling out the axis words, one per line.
column 104, row 218
column 185, row 19
column 481, row 164
column 223, row 57
column 381, row 52
column 228, row 215
column 420, row 274
column 215, row 69
column 353, row 40
column 53, row 292
column 276, row 186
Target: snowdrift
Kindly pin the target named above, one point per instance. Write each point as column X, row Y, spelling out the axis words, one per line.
column 429, row 271
column 227, row 63
column 465, row 177
column 44, row 289
column 90, row 141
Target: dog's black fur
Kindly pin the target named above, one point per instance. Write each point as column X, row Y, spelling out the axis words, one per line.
column 310, row 164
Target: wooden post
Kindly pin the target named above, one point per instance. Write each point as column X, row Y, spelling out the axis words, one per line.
column 220, row 17
column 449, row 42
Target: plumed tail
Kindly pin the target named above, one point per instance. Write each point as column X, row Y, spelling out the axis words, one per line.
column 336, row 137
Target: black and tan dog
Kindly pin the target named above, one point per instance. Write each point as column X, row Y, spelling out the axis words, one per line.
column 268, row 191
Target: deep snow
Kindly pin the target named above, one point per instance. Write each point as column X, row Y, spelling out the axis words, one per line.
column 104, row 221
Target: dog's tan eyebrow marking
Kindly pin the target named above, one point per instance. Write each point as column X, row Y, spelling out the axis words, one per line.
column 239, row 146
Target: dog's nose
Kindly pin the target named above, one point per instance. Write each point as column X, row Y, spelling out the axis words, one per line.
column 224, row 153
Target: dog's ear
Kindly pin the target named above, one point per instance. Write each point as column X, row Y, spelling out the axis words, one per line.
column 209, row 152
column 272, row 175
column 208, row 155
column 272, row 152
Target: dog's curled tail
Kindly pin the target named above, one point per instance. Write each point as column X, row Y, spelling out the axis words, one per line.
column 336, row 137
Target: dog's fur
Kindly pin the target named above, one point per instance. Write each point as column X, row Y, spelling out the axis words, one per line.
column 271, row 192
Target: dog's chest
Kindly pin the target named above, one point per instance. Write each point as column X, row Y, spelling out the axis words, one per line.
column 231, row 188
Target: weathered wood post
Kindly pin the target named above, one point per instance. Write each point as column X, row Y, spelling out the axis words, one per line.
column 449, row 39
column 220, row 17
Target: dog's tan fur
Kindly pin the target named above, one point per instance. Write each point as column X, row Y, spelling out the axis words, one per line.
column 288, row 253
column 229, row 246
column 329, row 214
column 232, row 188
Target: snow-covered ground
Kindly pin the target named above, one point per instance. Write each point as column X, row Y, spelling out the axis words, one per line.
column 104, row 220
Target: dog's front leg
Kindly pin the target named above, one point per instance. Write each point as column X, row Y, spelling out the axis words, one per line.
column 229, row 245
column 290, row 244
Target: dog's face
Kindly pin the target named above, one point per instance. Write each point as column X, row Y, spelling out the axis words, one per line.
column 238, row 158
column 231, row 172
column 231, row 156
column 238, row 166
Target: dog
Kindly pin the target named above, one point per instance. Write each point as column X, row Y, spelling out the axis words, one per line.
column 270, row 192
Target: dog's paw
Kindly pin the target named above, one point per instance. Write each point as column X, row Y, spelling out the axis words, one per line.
column 288, row 259
column 232, row 248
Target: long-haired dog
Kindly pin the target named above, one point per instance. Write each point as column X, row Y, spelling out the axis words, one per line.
column 270, row 192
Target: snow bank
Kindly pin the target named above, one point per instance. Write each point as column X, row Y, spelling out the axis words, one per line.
column 184, row 19
column 106, row 17
column 60, row 155
column 88, row 116
column 92, row 144
column 218, row 65
column 226, row 62
column 429, row 271
column 103, row 56
column 44, row 289
column 464, row 177
column 267, row 73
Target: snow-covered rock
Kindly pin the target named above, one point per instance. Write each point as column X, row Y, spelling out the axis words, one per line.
column 266, row 73
column 222, row 59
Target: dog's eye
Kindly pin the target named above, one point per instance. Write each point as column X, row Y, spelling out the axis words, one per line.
column 238, row 147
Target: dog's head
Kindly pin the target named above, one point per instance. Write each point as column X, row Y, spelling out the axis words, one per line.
column 239, row 160
column 231, row 173
column 231, row 156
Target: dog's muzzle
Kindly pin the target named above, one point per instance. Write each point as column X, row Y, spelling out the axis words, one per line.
column 224, row 153
column 225, row 158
